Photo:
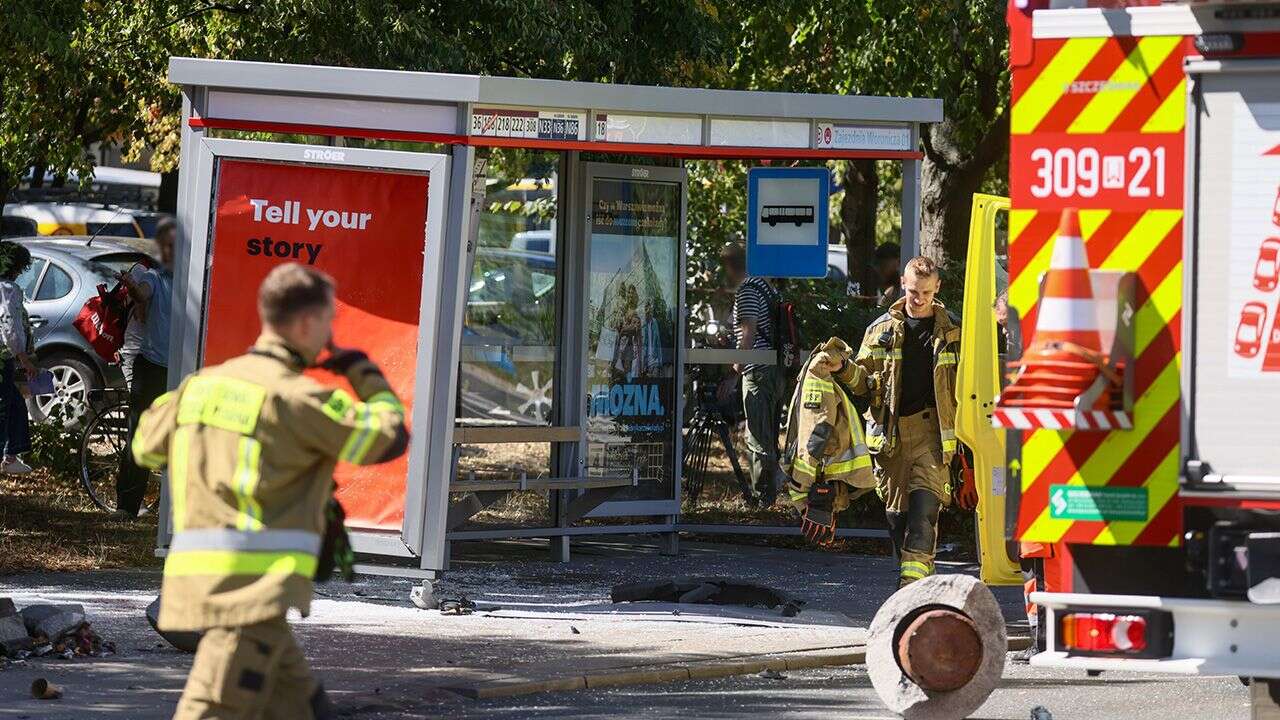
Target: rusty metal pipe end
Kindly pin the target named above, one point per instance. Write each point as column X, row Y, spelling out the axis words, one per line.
column 940, row 650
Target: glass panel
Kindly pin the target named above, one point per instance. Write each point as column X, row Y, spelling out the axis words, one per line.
column 1008, row 339
column 509, row 335
column 631, row 330
column 1002, row 251
column 501, row 463
column 27, row 280
column 56, row 284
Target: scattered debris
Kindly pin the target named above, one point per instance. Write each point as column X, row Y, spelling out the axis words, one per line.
column 714, row 591
column 48, row 631
column 1040, row 712
column 13, row 636
column 52, row 621
column 1023, row 656
column 42, row 689
column 769, row 674
column 462, row 606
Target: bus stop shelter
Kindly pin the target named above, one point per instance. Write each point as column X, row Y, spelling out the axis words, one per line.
column 382, row 179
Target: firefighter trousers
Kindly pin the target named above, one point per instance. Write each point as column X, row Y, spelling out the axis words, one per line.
column 913, row 483
column 248, row 673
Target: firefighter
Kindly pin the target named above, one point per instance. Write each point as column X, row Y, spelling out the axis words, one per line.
column 907, row 365
column 824, row 451
column 251, row 446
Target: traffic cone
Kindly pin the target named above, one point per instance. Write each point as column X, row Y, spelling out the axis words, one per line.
column 1065, row 354
column 1271, row 361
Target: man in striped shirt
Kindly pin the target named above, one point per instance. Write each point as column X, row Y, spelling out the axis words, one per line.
column 755, row 303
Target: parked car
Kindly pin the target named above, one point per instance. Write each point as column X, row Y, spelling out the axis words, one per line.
column 52, row 218
column 1253, row 318
column 1266, row 271
column 65, row 272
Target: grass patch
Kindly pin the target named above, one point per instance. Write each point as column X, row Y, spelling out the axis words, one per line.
column 47, row 523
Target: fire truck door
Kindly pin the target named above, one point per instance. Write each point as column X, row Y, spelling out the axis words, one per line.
column 1235, row 284
column 978, row 383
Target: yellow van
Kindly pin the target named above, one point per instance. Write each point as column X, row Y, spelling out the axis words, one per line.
column 75, row 219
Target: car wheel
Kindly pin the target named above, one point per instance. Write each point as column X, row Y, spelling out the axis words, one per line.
column 73, row 381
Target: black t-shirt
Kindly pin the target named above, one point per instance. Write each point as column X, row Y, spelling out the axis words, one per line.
column 917, row 366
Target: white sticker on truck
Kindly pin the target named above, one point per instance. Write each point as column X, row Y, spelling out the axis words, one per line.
column 1253, row 322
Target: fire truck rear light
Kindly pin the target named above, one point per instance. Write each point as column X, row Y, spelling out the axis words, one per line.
column 1104, row 633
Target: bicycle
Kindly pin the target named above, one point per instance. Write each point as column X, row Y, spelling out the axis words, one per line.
column 103, row 443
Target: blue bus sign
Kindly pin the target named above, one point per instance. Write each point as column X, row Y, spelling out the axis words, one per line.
column 787, row 222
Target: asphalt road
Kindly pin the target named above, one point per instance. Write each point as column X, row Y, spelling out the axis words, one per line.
column 846, row 693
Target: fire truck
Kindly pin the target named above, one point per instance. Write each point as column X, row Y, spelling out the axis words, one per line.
column 1155, row 502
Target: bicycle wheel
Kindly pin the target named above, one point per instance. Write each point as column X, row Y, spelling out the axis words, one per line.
column 102, row 448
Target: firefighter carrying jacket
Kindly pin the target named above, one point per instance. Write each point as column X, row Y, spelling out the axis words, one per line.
column 912, row 454
column 824, row 452
column 251, row 446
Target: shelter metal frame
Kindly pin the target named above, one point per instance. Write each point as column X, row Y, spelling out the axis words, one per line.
column 463, row 113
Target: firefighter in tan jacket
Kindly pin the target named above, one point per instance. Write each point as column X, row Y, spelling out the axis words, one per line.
column 251, row 446
column 824, row 457
column 907, row 366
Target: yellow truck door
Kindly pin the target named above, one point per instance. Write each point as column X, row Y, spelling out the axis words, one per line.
column 979, row 384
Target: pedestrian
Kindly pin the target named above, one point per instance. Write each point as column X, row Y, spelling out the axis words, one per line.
column 755, row 307
column 149, row 375
column 882, row 278
column 907, row 364
column 1008, row 339
column 16, row 349
column 135, row 333
column 251, row 445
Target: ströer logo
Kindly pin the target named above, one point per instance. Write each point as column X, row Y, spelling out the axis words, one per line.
column 337, row 155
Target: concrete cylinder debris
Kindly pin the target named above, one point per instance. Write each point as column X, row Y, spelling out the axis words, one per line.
column 936, row 648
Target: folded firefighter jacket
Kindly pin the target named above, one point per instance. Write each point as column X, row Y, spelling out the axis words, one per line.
column 824, row 438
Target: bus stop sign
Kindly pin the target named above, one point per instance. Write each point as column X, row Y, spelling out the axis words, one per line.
column 787, row 222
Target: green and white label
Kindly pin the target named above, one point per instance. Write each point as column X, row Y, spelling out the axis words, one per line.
column 1080, row 502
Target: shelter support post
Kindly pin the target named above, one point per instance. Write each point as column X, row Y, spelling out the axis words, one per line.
column 911, row 187
column 463, row 211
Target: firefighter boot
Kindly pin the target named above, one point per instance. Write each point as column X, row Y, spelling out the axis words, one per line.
column 897, row 532
column 921, row 539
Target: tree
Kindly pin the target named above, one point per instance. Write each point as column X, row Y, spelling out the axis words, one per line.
column 956, row 50
column 82, row 71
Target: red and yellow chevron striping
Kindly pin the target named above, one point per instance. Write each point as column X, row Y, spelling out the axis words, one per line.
column 1097, row 124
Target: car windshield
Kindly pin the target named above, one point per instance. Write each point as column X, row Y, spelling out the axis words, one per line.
column 1250, row 329
column 511, row 294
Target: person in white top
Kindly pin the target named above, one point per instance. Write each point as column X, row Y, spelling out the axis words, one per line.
column 15, row 349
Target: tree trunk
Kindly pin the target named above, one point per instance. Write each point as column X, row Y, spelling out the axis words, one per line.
column 945, row 202
column 949, row 182
column 858, row 215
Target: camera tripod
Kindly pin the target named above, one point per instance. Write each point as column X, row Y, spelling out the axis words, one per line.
column 708, row 422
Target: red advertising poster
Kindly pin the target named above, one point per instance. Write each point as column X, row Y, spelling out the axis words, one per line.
column 365, row 228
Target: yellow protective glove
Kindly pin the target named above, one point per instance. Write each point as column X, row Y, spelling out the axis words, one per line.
column 832, row 355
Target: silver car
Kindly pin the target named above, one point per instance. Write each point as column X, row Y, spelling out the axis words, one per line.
column 65, row 272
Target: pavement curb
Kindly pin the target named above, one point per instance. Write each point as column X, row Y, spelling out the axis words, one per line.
column 678, row 672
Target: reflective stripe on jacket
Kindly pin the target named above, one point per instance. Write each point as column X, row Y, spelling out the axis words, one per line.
column 823, row 437
column 876, row 371
column 251, row 446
